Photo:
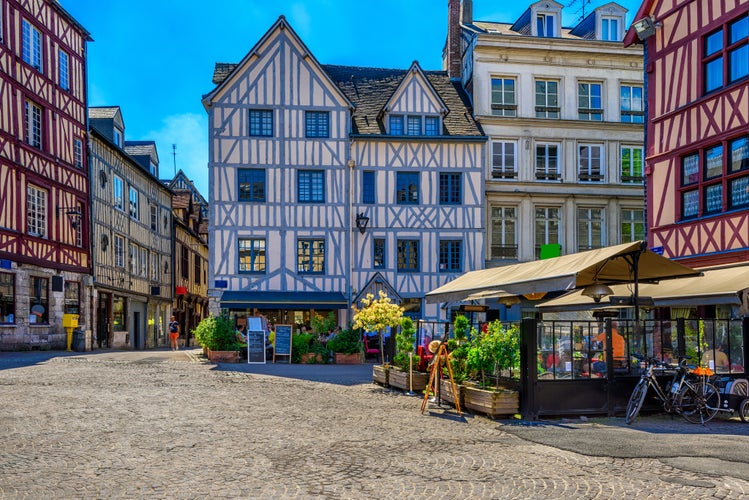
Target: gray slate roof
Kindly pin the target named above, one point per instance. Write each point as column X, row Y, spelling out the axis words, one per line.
column 95, row 112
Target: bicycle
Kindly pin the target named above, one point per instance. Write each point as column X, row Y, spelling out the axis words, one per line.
column 695, row 399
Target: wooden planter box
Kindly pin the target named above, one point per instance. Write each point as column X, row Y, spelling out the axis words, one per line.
column 446, row 392
column 223, row 356
column 381, row 374
column 348, row 359
column 491, row 403
column 399, row 378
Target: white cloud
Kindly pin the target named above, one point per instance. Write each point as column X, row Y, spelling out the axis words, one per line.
column 189, row 132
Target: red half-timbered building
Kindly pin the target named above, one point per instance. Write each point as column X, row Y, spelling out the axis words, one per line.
column 697, row 136
column 45, row 261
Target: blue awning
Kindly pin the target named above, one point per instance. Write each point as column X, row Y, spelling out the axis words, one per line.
column 283, row 300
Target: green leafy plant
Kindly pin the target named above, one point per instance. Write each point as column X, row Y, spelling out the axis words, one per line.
column 321, row 325
column 376, row 315
column 216, row 333
column 494, row 351
column 300, row 344
column 346, row 342
column 405, row 340
column 458, row 347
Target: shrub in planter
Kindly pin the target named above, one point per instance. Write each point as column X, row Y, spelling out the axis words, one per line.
column 346, row 342
column 216, row 333
column 300, row 345
column 495, row 351
column 404, row 344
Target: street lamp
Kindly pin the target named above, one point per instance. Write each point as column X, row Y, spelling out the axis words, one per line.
column 361, row 222
column 73, row 213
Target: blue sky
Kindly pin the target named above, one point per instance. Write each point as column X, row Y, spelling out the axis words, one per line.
column 155, row 58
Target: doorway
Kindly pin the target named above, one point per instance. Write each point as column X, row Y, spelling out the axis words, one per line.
column 103, row 333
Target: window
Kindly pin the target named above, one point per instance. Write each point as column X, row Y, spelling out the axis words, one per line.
column 310, row 256
column 317, row 124
column 547, row 99
column 503, row 160
column 119, row 314
column 589, row 163
column 119, row 251
column 545, row 25
column 431, row 125
column 144, row 262
column 451, row 256
column 72, row 297
column 504, row 243
column 713, row 198
column 368, row 187
column 7, row 298
column 133, row 202
column 547, row 162
column 154, row 266
column 407, row 188
column 39, row 300
column 378, row 257
column 251, row 184
column 154, row 218
column 589, row 101
column 631, row 163
column 32, row 45
column 413, row 125
column 196, row 270
column 547, row 227
column 117, row 137
column 33, row 124
column 503, row 97
column 153, row 169
column 739, row 192
column 450, row 189
column 251, row 255
column 78, row 228
column 739, row 154
column 632, row 225
column 610, row 29
column 311, row 186
column 63, row 70
column 36, row 211
column 713, row 162
column 77, row 153
column 184, row 262
column 690, row 204
column 118, row 192
column 632, row 107
column 728, row 44
column 261, row 123
column 132, row 258
column 690, row 169
column 589, row 228
column 408, row 255
column 396, row 124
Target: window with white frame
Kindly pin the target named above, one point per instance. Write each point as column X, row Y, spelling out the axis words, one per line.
column 153, row 209
column 589, row 228
column 546, row 25
column 589, row 104
column 547, row 99
column 632, row 225
column 133, row 197
column 503, row 97
column 117, row 136
column 32, row 45
column 503, row 160
column 154, row 266
column 504, row 244
column 547, row 162
column 610, row 29
column 33, row 124
column 119, row 251
column 78, row 153
column 631, row 103
column 78, row 228
column 36, row 210
column 547, row 227
column 118, row 192
column 144, row 262
column 632, row 164
column 589, row 163
column 132, row 258
column 63, row 68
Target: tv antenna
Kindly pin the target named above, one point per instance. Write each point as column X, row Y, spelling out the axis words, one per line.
column 174, row 154
column 581, row 9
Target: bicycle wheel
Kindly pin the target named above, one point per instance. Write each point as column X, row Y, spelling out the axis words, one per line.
column 744, row 410
column 698, row 403
column 635, row 401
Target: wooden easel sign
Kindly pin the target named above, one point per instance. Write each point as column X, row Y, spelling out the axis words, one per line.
column 282, row 342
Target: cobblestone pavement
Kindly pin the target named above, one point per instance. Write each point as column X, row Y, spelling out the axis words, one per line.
column 166, row 425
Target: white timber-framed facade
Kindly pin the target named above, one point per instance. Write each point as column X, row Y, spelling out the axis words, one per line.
column 299, row 151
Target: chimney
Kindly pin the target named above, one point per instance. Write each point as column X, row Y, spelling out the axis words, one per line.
column 466, row 12
column 454, row 64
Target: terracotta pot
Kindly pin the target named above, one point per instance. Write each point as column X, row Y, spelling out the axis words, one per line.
column 348, row 359
column 399, row 378
column 308, row 358
column 491, row 403
column 381, row 374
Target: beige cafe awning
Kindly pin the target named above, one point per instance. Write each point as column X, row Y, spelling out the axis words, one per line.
column 608, row 265
column 717, row 285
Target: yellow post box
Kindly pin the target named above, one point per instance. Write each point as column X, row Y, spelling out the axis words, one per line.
column 70, row 322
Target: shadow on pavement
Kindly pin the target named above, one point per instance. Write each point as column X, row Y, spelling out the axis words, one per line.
column 331, row 374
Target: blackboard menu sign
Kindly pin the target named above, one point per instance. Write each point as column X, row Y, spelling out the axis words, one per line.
column 282, row 343
column 256, row 346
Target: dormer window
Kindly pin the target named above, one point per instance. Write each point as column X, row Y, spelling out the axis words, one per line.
column 610, row 29
column 414, row 125
column 117, row 137
column 546, row 25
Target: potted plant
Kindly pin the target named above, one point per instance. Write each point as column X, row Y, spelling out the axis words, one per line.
column 458, row 349
column 493, row 352
column 347, row 347
column 402, row 373
column 374, row 316
column 217, row 336
column 300, row 347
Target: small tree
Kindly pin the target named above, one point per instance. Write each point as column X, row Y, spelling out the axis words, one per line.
column 496, row 350
column 405, row 340
column 376, row 315
column 216, row 333
column 458, row 347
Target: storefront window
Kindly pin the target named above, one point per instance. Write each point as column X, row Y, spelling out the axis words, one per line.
column 119, row 313
column 38, row 301
column 7, row 298
column 72, row 297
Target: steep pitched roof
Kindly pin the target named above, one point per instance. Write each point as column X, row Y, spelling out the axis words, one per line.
column 106, row 112
column 371, row 88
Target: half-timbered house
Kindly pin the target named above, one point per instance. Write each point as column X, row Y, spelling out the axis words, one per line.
column 45, row 261
column 697, row 156
column 327, row 182
column 563, row 109
column 132, row 236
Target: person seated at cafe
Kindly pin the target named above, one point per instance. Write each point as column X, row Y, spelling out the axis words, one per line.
column 718, row 358
column 617, row 345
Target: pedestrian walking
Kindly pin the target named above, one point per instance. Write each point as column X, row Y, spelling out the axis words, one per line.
column 174, row 333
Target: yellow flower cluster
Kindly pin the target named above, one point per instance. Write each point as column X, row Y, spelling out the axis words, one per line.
column 377, row 314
